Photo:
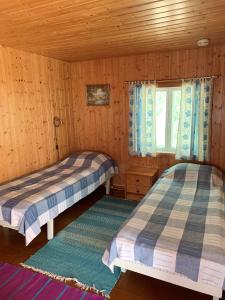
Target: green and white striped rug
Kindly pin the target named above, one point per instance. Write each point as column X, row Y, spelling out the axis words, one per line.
column 76, row 251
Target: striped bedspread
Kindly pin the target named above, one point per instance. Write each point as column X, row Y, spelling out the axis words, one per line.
column 179, row 226
column 31, row 201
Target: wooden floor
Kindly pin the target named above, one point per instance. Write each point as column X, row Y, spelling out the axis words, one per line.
column 131, row 286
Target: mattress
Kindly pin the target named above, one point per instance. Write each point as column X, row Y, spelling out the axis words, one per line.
column 31, row 201
column 178, row 227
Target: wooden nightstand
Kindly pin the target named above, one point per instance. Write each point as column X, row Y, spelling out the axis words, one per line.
column 138, row 182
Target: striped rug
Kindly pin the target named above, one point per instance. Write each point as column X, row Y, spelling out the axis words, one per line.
column 76, row 252
column 17, row 283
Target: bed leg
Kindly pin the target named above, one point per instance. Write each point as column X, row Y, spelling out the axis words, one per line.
column 50, row 229
column 107, row 186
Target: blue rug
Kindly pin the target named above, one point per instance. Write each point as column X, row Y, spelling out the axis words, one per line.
column 76, row 251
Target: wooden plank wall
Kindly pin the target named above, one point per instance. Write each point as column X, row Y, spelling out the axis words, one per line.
column 106, row 128
column 32, row 90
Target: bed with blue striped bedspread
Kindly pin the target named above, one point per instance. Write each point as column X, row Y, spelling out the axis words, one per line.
column 179, row 226
column 31, row 201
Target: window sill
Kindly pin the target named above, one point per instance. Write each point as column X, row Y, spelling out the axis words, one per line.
column 158, row 154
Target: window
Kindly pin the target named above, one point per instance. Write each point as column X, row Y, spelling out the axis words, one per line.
column 175, row 119
column 167, row 118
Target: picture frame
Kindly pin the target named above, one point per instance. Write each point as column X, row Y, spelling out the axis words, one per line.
column 98, row 94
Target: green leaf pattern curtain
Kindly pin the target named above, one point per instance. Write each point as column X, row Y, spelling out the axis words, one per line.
column 142, row 126
column 193, row 139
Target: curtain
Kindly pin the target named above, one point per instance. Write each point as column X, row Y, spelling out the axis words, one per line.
column 193, row 139
column 142, row 125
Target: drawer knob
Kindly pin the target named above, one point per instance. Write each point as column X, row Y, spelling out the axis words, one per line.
column 137, row 191
column 137, row 180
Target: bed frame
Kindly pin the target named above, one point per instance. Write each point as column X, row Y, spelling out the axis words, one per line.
column 50, row 223
column 169, row 277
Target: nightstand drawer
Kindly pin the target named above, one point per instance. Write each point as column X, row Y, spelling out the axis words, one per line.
column 137, row 189
column 132, row 196
column 138, row 179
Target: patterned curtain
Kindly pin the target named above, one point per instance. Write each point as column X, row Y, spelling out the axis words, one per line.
column 193, row 139
column 142, row 127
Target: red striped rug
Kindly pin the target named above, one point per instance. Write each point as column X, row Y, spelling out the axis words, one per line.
column 17, row 283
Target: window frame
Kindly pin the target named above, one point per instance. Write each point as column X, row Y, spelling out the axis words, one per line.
column 168, row 128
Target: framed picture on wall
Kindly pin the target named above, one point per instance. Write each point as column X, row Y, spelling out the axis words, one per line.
column 97, row 94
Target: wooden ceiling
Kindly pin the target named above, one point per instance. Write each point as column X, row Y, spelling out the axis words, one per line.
column 84, row 29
